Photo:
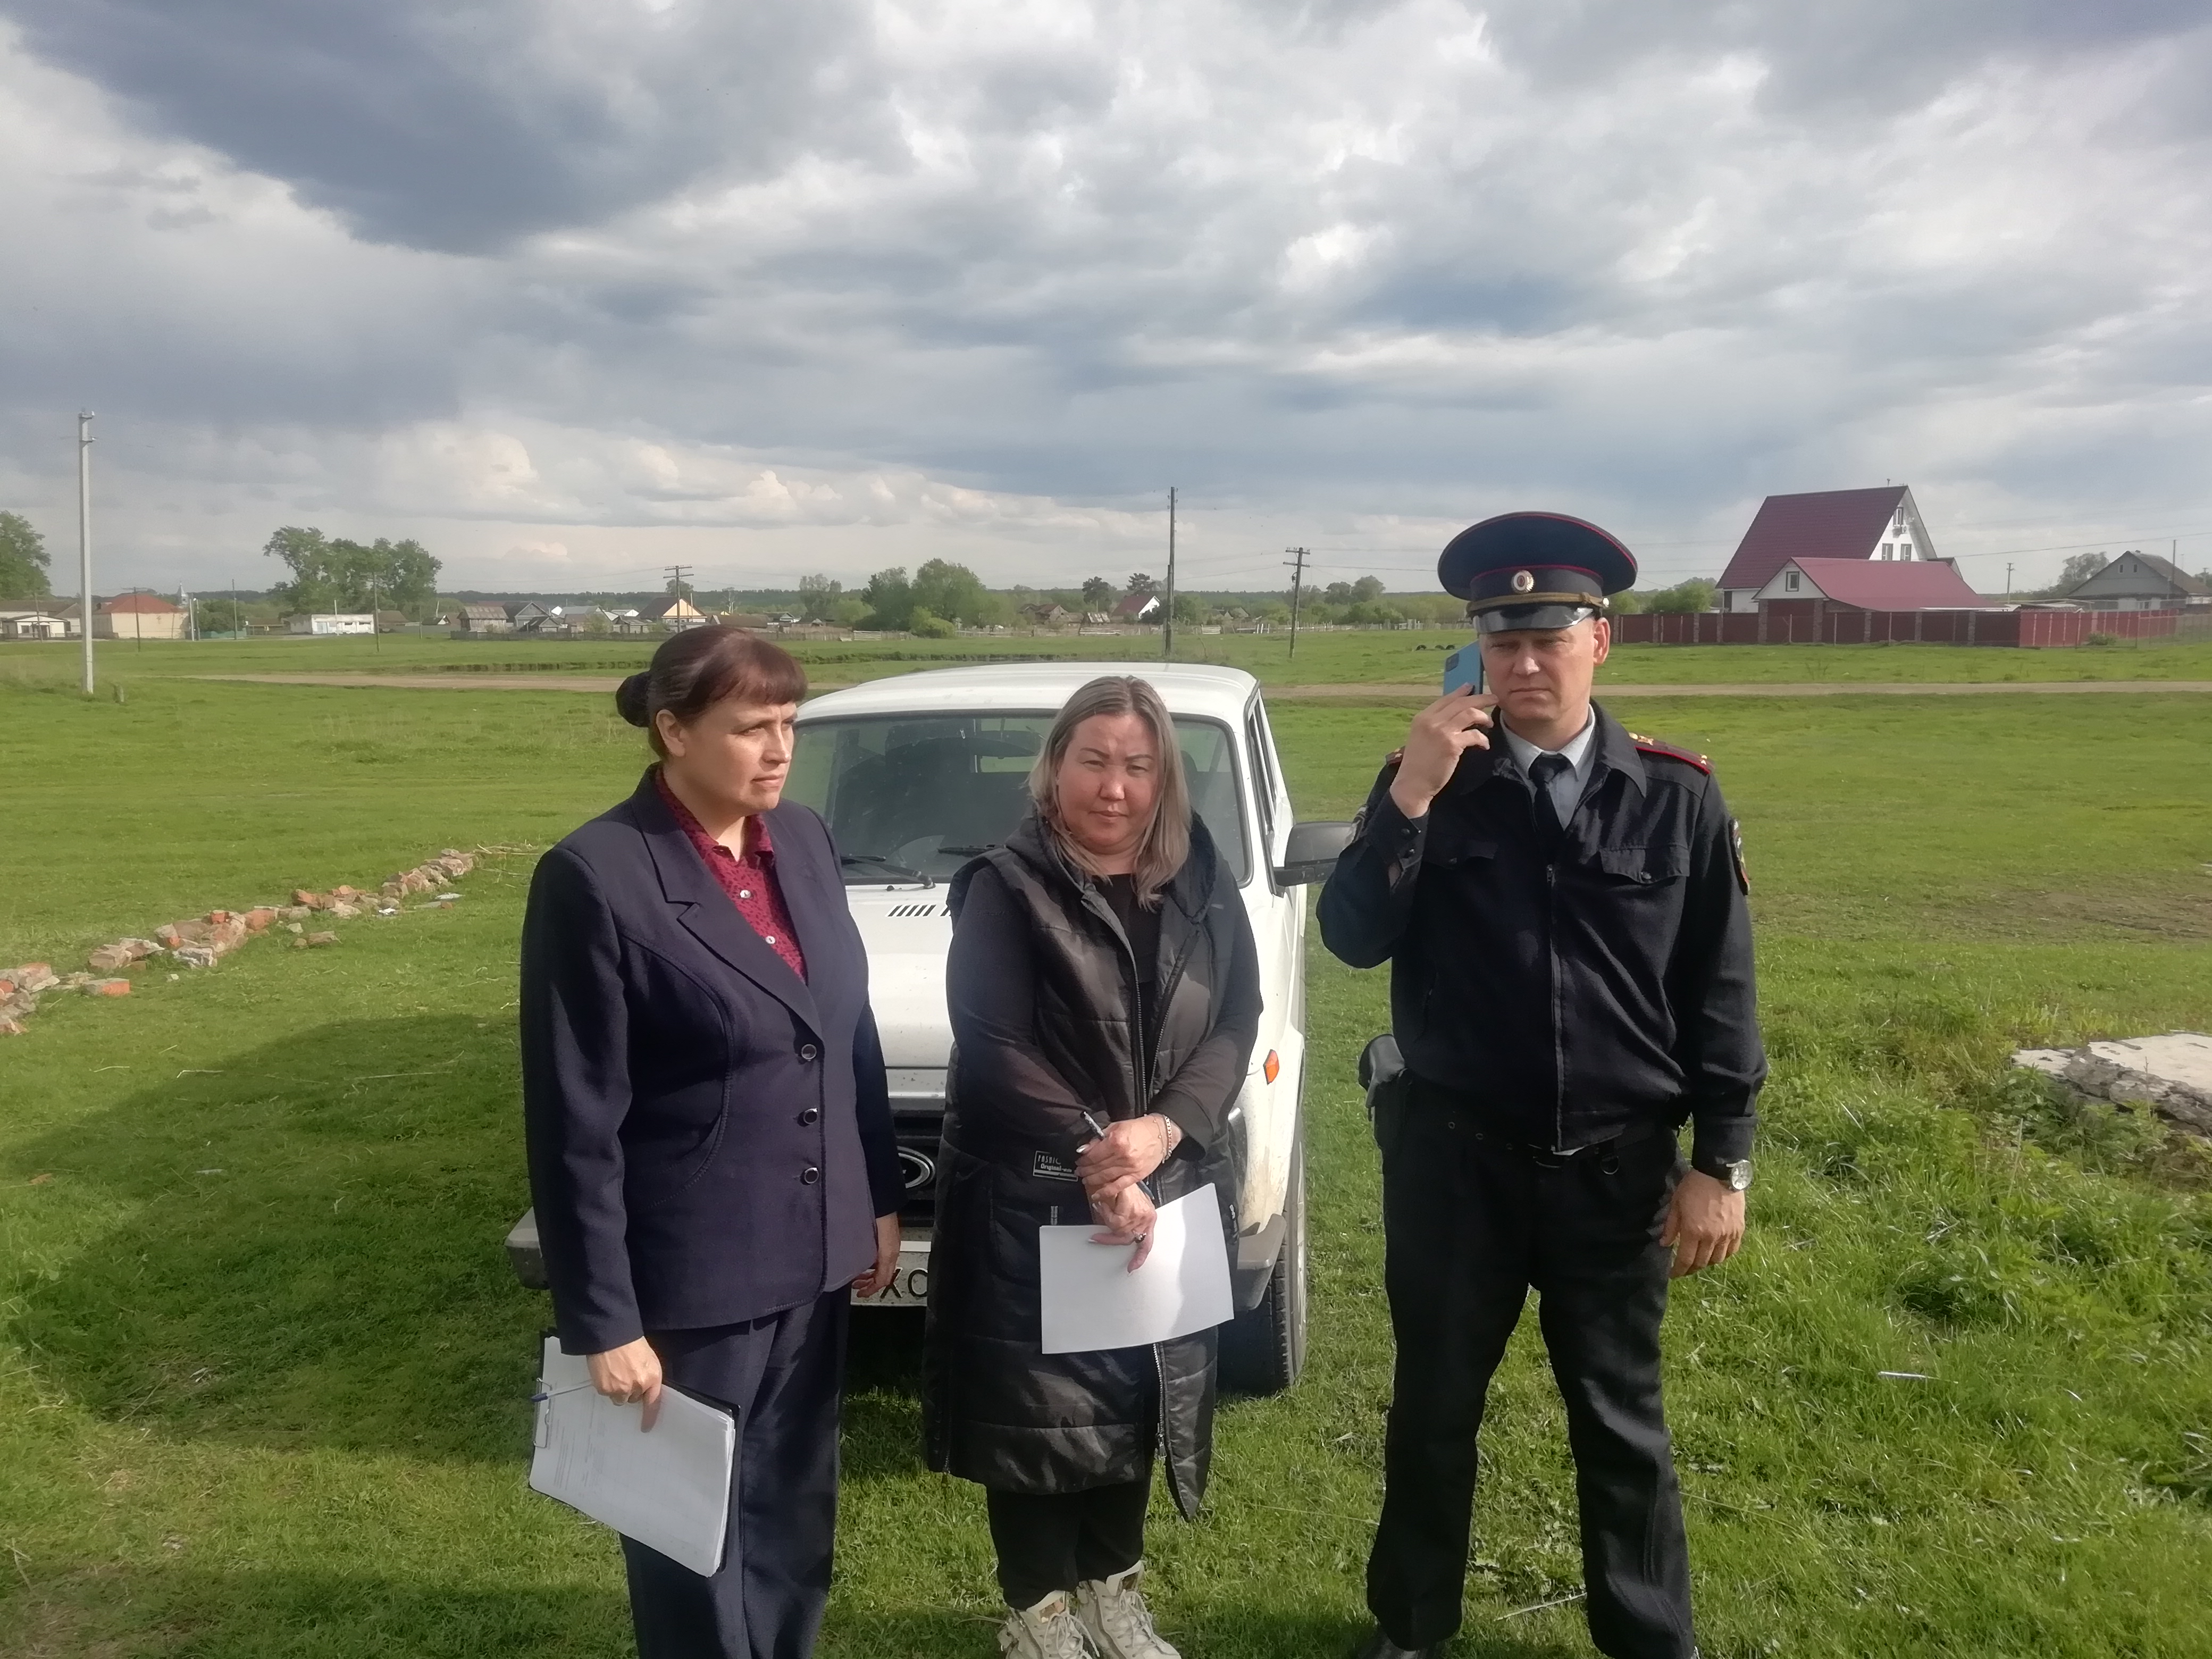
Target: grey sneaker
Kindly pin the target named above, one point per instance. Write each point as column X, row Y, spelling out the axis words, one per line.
column 1047, row 1630
column 1115, row 1616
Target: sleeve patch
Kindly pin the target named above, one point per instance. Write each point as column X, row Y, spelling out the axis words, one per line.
column 1736, row 852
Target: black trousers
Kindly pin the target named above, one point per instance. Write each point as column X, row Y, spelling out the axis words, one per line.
column 1052, row 1541
column 781, row 1376
column 1472, row 1224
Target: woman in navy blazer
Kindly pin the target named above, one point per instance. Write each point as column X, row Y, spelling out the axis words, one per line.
column 709, row 1131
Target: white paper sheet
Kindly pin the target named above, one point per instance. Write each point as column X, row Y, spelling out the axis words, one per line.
column 670, row 1490
column 1091, row 1299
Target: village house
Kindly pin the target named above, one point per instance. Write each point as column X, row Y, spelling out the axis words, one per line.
column 1137, row 608
column 486, row 619
column 39, row 621
column 1865, row 526
column 1814, row 588
column 673, row 614
column 1047, row 615
column 139, row 616
column 2142, row 581
column 328, row 624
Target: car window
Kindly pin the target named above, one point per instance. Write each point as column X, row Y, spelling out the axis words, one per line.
column 921, row 794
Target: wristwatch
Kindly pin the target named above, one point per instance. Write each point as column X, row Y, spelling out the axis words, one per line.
column 1733, row 1174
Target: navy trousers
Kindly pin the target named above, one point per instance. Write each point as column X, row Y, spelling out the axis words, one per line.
column 1471, row 1225
column 781, row 1376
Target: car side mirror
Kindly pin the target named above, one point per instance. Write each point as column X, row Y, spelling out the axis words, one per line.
column 1312, row 853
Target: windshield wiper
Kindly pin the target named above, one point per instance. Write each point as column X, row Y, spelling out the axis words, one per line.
column 897, row 870
column 967, row 851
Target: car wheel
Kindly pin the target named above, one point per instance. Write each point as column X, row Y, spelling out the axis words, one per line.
column 1262, row 1351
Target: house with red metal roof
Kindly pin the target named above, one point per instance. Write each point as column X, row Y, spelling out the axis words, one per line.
column 1812, row 586
column 1866, row 526
column 138, row 616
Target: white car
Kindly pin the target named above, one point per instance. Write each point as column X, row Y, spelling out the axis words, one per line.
column 916, row 775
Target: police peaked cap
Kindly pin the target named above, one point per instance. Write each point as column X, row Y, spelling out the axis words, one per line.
column 1534, row 570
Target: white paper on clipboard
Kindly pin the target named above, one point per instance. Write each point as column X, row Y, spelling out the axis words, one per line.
column 1091, row 1300
column 670, row 1490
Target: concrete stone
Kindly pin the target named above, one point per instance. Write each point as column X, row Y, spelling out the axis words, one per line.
column 301, row 896
column 196, row 956
column 109, row 957
column 349, row 894
column 344, row 909
column 30, row 977
column 108, row 988
column 294, row 912
column 258, row 918
column 227, row 934
column 2172, row 1074
column 321, row 938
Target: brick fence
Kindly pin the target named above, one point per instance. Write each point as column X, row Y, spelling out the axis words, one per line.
column 1814, row 622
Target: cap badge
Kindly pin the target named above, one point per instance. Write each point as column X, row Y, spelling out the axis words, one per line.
column 1523, row 581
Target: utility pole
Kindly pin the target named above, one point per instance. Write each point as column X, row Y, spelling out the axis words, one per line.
column 676, row 574
column 2007, row 582
column 84, row 539
column 191, row 614
column 237, row 615
column 1298, row 563
column 375, row 639
column 1167, row 629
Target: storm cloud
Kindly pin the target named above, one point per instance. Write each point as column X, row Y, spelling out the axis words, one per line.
column 837, row 285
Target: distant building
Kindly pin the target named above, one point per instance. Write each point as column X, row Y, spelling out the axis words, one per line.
column 1811, row 586
column 1878, row 527
column 532, row 617
column 486, row 619
column 1047, row 614
column 2141, row 581
column 1137, row 607
column 330, row 624
column 39, row 621
column 674, row 614
column 139, row 616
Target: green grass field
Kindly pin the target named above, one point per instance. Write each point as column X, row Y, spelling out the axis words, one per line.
column 1378, row 656
column 263, row 1369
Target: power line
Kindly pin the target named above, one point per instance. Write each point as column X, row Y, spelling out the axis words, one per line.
column 1298, row 563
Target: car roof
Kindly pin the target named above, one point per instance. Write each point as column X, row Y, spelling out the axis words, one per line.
column 1198, row 689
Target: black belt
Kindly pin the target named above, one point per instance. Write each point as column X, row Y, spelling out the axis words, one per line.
column 1477, row 1110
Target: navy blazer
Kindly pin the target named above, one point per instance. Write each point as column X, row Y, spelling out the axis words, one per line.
column 709, row 1137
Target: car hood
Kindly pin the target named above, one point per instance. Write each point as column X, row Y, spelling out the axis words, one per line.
column 907, row 931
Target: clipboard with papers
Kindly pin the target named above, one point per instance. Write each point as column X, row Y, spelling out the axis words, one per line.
column 668, row 1489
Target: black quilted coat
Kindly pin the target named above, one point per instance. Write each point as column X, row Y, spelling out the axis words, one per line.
column 1043, row 995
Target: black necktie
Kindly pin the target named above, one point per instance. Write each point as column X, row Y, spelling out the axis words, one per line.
column 1542, row 773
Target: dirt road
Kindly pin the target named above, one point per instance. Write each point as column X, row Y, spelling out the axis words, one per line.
column 605, row 684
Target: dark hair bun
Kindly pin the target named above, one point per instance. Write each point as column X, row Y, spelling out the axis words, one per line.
column 632, row 698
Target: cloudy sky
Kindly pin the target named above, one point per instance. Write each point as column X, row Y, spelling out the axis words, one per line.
column 573, row 288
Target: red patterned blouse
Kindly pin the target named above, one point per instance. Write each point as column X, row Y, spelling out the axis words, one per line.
column 750, row 881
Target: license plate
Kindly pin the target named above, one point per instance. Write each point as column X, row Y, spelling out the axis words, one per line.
column 910, row 1285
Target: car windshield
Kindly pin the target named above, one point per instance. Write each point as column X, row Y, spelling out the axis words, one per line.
column 909, row 796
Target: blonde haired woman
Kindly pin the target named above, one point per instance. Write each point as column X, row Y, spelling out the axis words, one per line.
column 1102, row 976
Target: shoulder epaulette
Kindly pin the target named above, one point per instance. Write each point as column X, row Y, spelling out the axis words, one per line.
column 1669, row 752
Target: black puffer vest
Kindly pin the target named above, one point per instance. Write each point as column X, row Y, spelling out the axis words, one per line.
column 996, row 1409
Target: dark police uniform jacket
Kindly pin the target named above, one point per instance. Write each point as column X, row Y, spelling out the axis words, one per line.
column 1576, row 996
column 710, row 1136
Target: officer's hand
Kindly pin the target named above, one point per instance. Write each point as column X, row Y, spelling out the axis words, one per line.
column 1442, row 732
column 1705, row 1224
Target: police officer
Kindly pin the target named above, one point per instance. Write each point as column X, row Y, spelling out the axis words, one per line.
column 1562, row 904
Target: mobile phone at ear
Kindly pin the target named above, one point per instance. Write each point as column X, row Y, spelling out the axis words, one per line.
column 1463, row 668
